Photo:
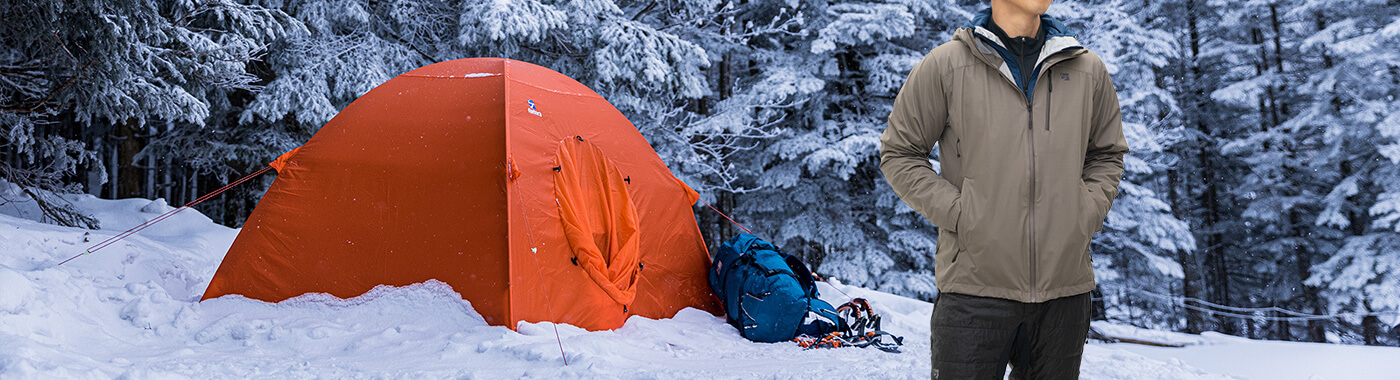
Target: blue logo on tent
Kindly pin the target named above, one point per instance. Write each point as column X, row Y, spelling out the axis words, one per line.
column 533, row 110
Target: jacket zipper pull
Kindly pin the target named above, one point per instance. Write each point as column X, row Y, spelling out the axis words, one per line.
column 1030, row 116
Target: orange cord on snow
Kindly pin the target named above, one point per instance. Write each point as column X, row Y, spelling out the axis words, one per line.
column 161, row 217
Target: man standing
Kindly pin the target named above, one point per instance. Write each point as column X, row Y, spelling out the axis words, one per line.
column 1031, row 148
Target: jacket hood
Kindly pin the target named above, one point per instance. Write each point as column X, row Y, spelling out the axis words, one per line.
column 1058, row 38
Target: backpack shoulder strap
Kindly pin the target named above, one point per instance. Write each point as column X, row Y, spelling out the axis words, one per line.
column 804, row 276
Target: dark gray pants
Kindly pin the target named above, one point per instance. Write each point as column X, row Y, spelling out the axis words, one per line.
column 976, row 337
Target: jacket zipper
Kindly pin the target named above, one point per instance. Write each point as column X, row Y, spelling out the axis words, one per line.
column 1030, row 128
column 1049, row 96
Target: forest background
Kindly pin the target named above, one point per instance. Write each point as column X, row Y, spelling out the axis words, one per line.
column 1261, row 197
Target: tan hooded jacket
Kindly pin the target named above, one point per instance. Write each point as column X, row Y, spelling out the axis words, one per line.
column 1024, row 184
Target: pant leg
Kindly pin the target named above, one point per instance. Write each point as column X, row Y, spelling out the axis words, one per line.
column 970, row 336
column 1019, row 352
column 1057, row 331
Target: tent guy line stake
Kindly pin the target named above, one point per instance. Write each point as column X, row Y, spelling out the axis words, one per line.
column 534, row 253
column 161, row 217
column 731, row 220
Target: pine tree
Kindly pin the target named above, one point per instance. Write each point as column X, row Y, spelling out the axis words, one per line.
column 76, row 72
column 1279, row 192
column 756, row 87
column 1352, row 117
column 820, row 187
column 1137, row 248
column 1202, row 182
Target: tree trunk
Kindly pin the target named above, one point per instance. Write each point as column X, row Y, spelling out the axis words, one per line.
column 1279, row 85
column 1282, row 330
column 167, row 183
column 1100, row 312
column 1191, row 261
column 150, row 175
column 726, row 200
column 1217, row 272
column 113, row 172
column 1302, row 259
column 1371, row 329
column 130, row 176
column 1190, row 288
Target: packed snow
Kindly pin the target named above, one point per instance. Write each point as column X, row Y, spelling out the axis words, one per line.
column 131, row 310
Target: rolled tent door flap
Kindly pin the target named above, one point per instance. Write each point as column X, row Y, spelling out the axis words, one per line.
column 599, row 218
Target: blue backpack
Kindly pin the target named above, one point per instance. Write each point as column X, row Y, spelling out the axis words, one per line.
column 768, row 295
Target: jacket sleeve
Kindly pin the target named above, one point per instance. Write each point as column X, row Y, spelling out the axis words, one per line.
column 1103, row 162
column 916, row 123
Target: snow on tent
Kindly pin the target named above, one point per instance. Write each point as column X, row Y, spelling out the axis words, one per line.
column 523, row 189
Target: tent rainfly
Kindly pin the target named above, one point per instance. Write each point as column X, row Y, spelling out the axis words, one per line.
column 527, row 192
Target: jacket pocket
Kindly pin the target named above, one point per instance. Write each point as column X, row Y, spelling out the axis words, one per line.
column 968, row 230
column 948, row 248
column 1090, row 215
column 958, row 209
column 947, row 257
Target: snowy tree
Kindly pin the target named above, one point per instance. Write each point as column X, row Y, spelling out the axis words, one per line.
column 1141, row 238
column 1200, row 183
column 76, row 72
column 752, row 86
column 1277, row 192
column 754, row 89
column 1354, row 117
column 820, row 190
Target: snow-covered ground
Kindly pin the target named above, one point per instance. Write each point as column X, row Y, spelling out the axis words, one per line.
column 1255, row 359
column 131, row 311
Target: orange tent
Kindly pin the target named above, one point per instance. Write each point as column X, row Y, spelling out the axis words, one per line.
column 520, row 187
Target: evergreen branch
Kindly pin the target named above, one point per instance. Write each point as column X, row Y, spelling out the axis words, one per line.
column 395, row 36
column 540, row 51
column 65, row 214
column 44, row 102
column 31, row 71
column 65, row 46
column 235, row 57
